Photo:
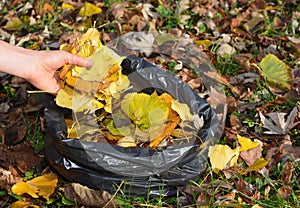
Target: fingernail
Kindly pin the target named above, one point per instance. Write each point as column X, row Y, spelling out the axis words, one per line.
column 89, row 63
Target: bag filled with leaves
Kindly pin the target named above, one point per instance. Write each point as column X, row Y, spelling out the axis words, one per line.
column 126, row 121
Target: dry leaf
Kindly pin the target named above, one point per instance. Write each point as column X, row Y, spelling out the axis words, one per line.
column 285, row 192
column 183, row 110
column 287, row 172
column 14, row 24
column 278, row 123
column 252, row 155
column 7, row 179
column 85, row 196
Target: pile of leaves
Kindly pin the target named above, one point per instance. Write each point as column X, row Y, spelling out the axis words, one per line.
column 127, row 119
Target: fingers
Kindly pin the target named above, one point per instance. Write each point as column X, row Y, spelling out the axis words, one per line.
column 76, row 60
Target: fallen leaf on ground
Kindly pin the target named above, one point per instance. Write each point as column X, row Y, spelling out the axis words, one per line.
column 43, row 186
column 287, row 172
column 277, row 73
column 246, row 144
column 285, row 192
column 23, row 204
column 279, row 124
column 88, row 197
column 252, row 155
column 7, row 179
column 257, row 165
column 89, row 10
column 222, row 156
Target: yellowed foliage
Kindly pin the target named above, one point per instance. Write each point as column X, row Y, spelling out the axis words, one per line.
column 23, row 204
column 153, row 118
column 246, row 144
column 83, row 87
column 257, row 165
column 222, row 156
column 183, row 110
column 89, row 10
column 43, row 186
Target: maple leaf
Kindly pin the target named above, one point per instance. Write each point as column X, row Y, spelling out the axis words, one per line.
column 278, row 124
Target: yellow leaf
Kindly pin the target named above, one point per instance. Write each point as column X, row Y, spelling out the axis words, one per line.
column 14, row 24
column 183, row 110
column 222, row 156
column 127, row 142
column 23, row 204
column 246, row 144
column 67, row 6
column 257, row 165
column 277, row 73
column 93, row 35
column 89, row 10
column 205, row 43
column 43, row 186
column 64, row 97
column 145, row 110
column 25, row 188
column 164, row 38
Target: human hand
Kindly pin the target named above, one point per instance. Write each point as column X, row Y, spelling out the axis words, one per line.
column 43, row 75
column 37, row 67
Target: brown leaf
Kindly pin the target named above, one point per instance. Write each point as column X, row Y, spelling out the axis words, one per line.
column 250, row 156
column 7, row 179
column 285, row 192
column 248, row 190
column 278, row 123
column 117, row 10
column 235, row 122
column 287, row 172
column 274, row 155
column 203, row 199
column 293, row 151
column 15, row 135
column 86, row 196
column 21, row 156
column 222, row 80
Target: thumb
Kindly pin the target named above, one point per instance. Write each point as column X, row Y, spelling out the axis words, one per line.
column 76, row 60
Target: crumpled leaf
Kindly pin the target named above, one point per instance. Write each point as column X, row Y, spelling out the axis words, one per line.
column 43, row 186
column 85, row 196
column 278, row 124
column 277, row 73
column 89, row 10
column 222, row 156
column 139, row 42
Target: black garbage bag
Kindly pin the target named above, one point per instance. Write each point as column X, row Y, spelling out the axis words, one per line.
column 142, row 171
